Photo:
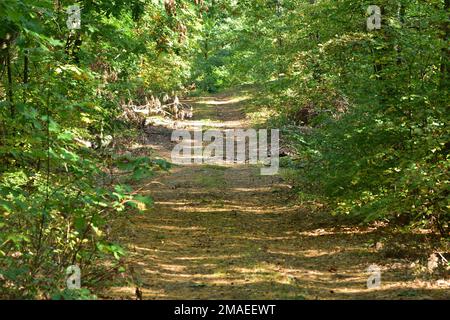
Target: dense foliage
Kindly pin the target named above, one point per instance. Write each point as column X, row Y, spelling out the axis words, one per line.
column 60, row 116
column 365, row 111
column 377, row 100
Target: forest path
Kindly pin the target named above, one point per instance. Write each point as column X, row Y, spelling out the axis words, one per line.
column 227, row 232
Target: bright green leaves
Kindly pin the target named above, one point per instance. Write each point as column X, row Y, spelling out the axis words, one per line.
column 57, row 198
column 376, row 146
column 110, row 248
column 125, row 197
column 74, row 294
column 141, row 167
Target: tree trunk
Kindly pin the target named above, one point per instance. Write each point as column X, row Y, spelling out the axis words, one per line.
column 445, row 50
column 10, row 84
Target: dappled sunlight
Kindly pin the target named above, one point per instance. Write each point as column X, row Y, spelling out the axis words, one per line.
column 212, row 210
column 196, row 124
column 226, row 232
column 215, row 101
column 253, row 190
column 303, row 253
column 203, row 149
column 266, row 238
column 332, row 231
column 217, row 257
column 130, row 292
column 174, row 228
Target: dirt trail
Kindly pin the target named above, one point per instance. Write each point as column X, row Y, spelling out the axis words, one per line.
column 220, row 232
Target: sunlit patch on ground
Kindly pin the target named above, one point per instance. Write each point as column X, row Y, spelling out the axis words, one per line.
column 228, row 233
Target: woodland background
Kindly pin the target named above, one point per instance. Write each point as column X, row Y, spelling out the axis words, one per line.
column 375, row 105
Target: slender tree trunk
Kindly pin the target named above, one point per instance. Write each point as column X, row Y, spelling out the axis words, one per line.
column 205, row 48
column 401, row 19
column 25, row 73
column 378, row 66
column 10, row 84
column 444, row 68
column 279, row 38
